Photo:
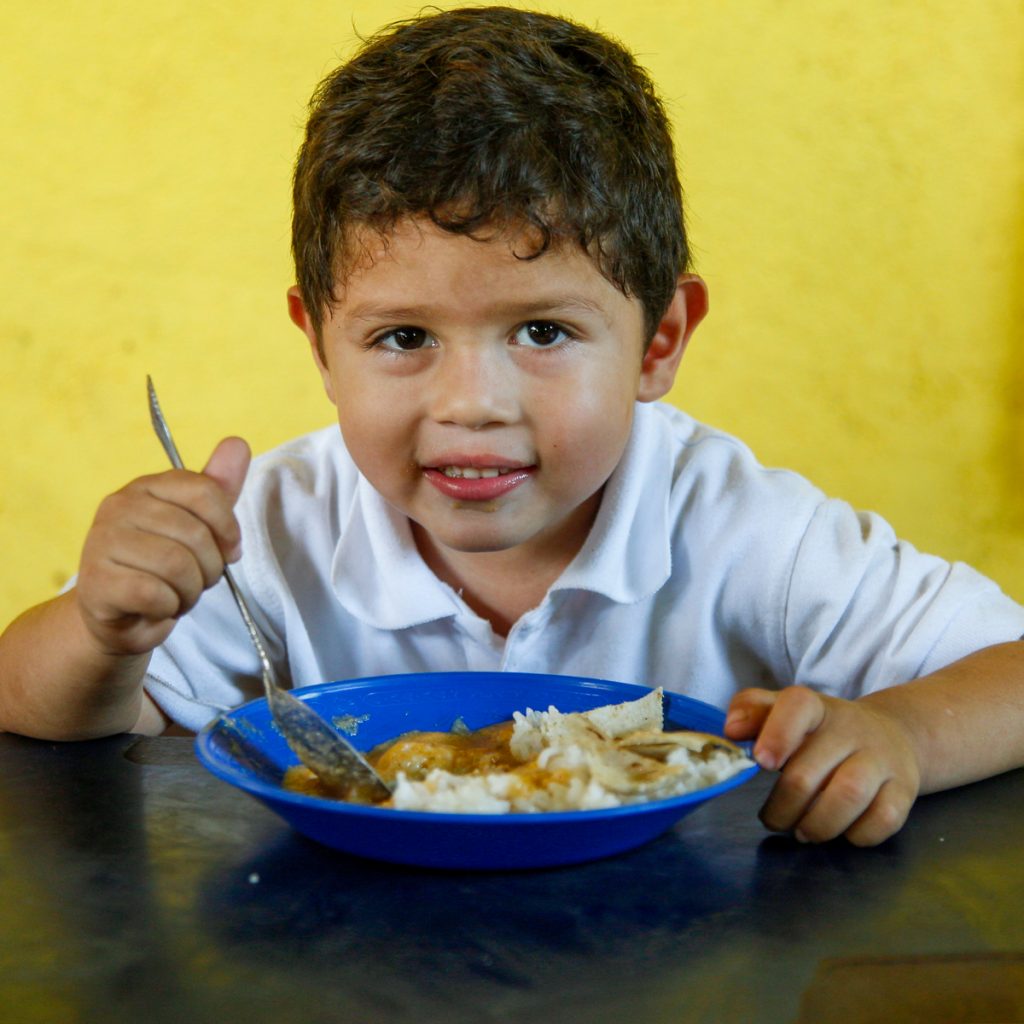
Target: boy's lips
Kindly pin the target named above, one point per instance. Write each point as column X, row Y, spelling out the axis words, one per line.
column 476, row 478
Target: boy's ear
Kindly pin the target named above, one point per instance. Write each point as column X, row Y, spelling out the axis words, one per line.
column 688, row 307
column 301, row 318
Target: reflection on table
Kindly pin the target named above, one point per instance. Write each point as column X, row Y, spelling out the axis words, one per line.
column 138, row 887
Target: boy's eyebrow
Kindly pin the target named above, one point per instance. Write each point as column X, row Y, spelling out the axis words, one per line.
column 528, row 310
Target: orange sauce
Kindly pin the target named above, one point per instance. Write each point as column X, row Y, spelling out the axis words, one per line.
column 418, row 753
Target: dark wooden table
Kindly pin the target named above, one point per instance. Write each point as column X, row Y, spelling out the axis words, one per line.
column 136, row 887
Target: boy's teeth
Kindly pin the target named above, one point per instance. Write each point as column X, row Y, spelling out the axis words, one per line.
column 471, row 473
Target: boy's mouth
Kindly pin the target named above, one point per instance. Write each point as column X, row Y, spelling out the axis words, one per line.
column 478, row 481
column 472, row 472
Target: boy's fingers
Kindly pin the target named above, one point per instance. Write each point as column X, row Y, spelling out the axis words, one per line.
column 116, row 592
column 187, row 569
column 747, row 713
column 844, row 798
column 796, row 712
column 798, row 786
column 198, row 495
column 119, row 633
column 137, row 555
column 156, row 545
column 806, row 765
column 228, row 465
column 884, row 817
column 159, row 529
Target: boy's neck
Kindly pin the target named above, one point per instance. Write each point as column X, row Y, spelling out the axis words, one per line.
column 502, row 586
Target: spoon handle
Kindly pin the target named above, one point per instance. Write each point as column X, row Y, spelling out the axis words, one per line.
column 163, row 432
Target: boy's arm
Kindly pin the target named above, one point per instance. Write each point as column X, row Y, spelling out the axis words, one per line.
column 856, row 767
column 73, row 668
column 967, row 719
column 56, row 684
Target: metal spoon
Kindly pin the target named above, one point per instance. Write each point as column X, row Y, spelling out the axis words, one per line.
column 319, row 746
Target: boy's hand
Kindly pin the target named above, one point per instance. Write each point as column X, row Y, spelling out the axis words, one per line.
column 155, row 546
column 847, row 767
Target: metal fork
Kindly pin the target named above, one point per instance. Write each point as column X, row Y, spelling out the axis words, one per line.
column 319, row 746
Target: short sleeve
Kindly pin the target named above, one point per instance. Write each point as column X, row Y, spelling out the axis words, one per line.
column 866, row 610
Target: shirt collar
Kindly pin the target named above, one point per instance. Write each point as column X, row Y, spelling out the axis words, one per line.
column 380, row 577
column 377, row 571
column 627, row 556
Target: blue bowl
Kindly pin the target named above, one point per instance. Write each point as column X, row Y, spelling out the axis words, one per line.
column 242, row 747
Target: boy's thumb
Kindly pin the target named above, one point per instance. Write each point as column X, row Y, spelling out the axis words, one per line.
column 228, row 465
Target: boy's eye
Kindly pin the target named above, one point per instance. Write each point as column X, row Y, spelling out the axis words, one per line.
column 540, row 334
column 405, row 339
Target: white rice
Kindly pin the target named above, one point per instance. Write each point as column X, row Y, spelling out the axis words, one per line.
column 590, row 771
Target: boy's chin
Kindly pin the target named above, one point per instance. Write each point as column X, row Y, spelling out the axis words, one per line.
column 492, row 528
column 470, row 539
column 477, row 544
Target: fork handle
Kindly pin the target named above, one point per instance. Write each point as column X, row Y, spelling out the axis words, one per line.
column 163, row 432
column 250, row 625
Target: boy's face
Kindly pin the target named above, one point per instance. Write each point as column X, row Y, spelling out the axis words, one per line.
column 485, row 396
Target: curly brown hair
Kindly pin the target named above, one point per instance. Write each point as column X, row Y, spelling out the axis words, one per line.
column 488, row 117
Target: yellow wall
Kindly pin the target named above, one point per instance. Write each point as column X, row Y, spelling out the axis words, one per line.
column 854, row 174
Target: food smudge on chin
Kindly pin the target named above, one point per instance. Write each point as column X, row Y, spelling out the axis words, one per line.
column 475, row 506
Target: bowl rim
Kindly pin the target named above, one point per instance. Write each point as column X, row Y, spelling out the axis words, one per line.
column 230, row 772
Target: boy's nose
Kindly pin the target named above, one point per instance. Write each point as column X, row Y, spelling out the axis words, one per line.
column 474, row 388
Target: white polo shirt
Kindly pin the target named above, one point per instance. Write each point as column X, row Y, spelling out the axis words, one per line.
column 704, row 573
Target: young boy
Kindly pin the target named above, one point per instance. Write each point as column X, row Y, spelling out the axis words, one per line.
column 493, row 278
